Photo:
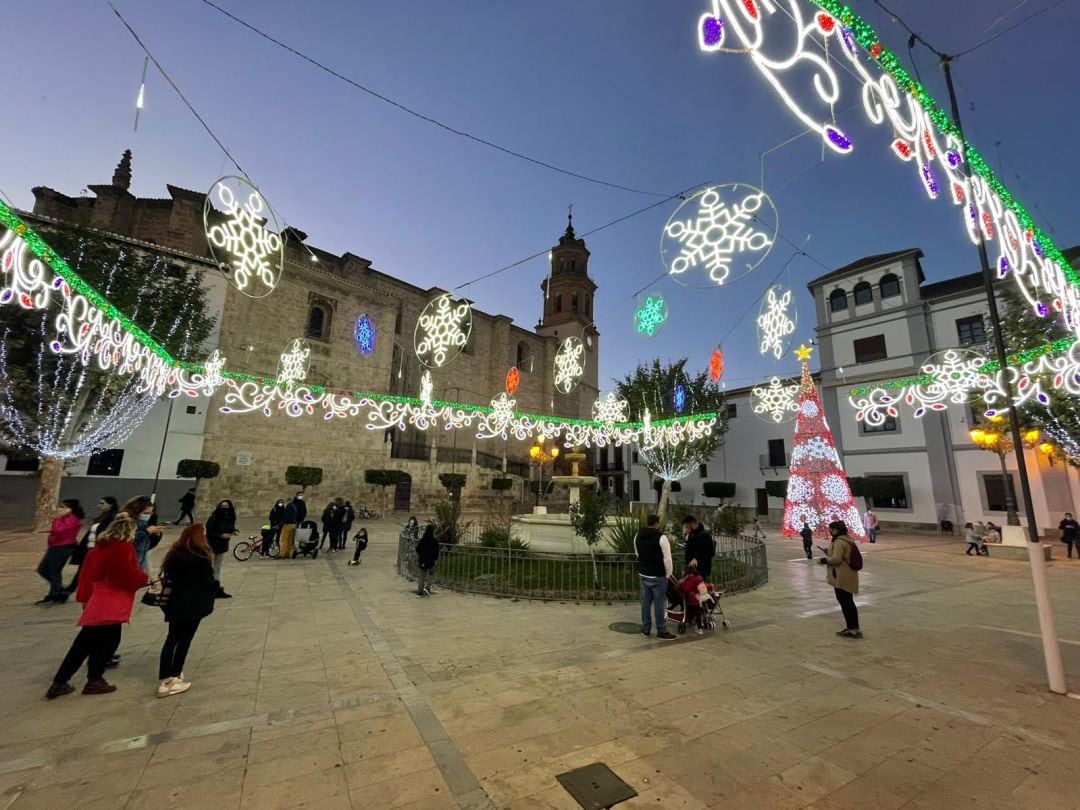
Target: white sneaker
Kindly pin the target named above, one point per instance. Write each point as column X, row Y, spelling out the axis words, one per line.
column 172, row 686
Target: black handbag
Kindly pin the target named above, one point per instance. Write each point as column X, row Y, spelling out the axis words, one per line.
column 157, row 595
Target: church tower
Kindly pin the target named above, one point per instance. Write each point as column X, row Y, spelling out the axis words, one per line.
column 569, row 293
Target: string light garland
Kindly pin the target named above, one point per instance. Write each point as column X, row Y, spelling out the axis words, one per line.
column 920, row 131
column 442, row 330
column 775, row 327
column 715, row 232
column 364, row 335
column 569, row 364
column 239, row 239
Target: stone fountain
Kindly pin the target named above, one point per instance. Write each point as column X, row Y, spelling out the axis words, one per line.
column 552, row 532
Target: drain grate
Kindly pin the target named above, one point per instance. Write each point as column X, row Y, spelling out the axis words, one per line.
column 596, row 786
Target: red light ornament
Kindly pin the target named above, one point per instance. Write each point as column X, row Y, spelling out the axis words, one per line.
column 513, row 377
column 716, row 365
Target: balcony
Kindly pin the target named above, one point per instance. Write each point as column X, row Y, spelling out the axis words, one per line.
column 774, row 461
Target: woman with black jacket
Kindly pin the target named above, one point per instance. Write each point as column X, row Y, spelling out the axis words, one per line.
column 109, row 507
column 219, row 531
column 189, row 574
column 427, row 554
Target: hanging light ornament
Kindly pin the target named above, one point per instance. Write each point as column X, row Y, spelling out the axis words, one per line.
column 776, row 321
column 716, row 365
column 651, row 315
column 569, row 364
column 294, row 363
column 442, row 330
column 513, row 377
column 364, row 335
column 250, row 254
column 679, row 399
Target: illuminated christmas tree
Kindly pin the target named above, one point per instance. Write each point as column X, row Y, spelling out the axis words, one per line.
column 818, row 490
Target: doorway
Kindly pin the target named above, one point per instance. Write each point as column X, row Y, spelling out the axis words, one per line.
column 402, row 495
column 762, row 496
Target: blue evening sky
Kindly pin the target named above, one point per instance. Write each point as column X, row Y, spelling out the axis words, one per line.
column 616, row 90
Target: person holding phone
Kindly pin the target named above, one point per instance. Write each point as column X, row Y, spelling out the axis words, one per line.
column 843, row 578
column 220, row 529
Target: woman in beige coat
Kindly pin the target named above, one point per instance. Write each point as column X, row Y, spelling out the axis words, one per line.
column 844, row 580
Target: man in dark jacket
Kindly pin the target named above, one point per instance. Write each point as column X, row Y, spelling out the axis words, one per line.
column 1070, row 533
column 187, row 504
column 807, row 535
column 295, row 512
column 653, row 552
column 427, row 554
column 700, row 547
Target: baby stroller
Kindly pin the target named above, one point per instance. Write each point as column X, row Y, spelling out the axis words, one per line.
column 306, row 540
column 682, row 610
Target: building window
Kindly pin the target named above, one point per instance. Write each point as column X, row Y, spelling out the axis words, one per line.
column 317, row 322
column 634, row 457
column 105, row 462
column 777, row 456
column 893, row 492
column 888, row 426
column 971, row 331
column 837, row 301
column 864, row 293
column 703, row 470
column 191, row 410
column 524, row 357
column 994, row 491
column 637, row 490
column 21, row 462
column 573, row 302
column 588, row 305
column 889, row 286
column 558, row 302
column 398, row 318
column 870, row 349
column 731, row 410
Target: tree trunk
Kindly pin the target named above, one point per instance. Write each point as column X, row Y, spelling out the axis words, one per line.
column 661, row 508
column 48, row 494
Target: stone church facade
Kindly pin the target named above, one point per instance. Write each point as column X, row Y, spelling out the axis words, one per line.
column 320, row 297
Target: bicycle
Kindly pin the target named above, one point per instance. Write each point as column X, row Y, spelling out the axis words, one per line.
column 243, row 550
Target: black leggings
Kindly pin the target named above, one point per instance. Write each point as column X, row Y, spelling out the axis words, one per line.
column 98, row 644
column 175, row 649
column 847, row 605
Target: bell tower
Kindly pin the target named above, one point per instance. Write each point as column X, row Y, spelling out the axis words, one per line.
column 569, row 293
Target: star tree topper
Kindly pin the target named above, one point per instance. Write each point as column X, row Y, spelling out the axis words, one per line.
column 803, row 352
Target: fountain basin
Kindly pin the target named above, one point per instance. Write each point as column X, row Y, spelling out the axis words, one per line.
column 552, row 534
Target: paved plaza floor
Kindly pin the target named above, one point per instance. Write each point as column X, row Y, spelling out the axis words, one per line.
column 325, row 686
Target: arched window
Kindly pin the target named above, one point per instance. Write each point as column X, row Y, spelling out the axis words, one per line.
column 864, row 293
column 524, row 357
column 837, row 301
column 573, row 302
column 588, row 305
column 889, row 285
column 558, row 302
column 316, row 322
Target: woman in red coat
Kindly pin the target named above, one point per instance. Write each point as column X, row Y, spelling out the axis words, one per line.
column 107, row 584
column 63, row 538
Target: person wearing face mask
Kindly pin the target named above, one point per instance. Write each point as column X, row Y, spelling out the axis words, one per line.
column 276, row 520
column 63, row 538
column 844, row 560
column 295, row 512
column 147, row 534
column 219, row 531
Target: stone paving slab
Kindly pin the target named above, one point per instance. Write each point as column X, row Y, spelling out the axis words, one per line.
column 321, row 685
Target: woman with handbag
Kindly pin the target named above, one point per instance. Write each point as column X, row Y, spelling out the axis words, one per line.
column 110, row 577
column 219, row 531
column 188, row 593
column 109, row 508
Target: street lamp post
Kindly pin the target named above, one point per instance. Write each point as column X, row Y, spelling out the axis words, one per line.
column 992, row 437
column 542, row 457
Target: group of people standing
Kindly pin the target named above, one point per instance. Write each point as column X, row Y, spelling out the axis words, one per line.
column 113, row 560
column 337, row 521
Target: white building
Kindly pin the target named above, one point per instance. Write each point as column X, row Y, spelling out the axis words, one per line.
column 878, row 319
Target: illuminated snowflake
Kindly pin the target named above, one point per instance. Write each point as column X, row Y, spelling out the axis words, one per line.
column 253, row 251
column 679, row 399
column 502, row 409
column 651, row 316
column 718, row 233
column 212, row 368
column 442, row 330
column 611, row 409
column 426, row 388
column 799, row 489
column 815, row 448
column 569, row 364
column 835, row 488
column 809, row 409
column 775, row 327
column 293, row 367
column 365, row 335
column 775, row 402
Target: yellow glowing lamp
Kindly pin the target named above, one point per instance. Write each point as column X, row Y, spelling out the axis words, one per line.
column 1046, row 449
column 1032, row 436
column 978, row 435
column 554, row 452
column 534, row 451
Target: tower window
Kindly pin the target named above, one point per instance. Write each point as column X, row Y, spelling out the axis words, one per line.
column 837, row 301
column 588, row 305
column 558, row 302
column 524, row 357
column 864, row 293
column 889, row 286
column 316, row 323
column 574, row 302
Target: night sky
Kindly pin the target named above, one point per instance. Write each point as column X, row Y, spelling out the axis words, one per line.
column 614, row 90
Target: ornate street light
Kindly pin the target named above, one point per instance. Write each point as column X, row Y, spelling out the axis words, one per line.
column 994, row 436
column 542, row 457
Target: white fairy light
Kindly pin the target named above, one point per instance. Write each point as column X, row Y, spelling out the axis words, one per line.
column 241, row 241
column 775, row 327
column 776, row 402
column 610, row 410
column 294, row 363
column 442, row 330
column 569, row 364
column 426, row 389
column 716, row 233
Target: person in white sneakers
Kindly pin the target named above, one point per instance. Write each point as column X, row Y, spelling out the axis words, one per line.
column 188, row 573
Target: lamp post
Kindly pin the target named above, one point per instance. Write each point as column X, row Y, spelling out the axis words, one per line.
column 994, row 437
column 542, row 457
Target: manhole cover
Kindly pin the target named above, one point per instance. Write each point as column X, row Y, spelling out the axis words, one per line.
column 596, row 786
column 625, row 627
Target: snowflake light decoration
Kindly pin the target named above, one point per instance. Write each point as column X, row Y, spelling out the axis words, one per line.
column 569, row 365
column 364, row 335
column 294, row 363
column 442, row 330
column 776, row 402
column 727, row 239
column 611, row 409
column 513, row 379
column 241, row 241
column 679, row 398
column 775, row 327
column 716, row 365
column 651, row 315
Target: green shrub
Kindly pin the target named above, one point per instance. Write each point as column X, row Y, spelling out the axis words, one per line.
column 776, row 489
column 493, row 537
column 622, row 530
column 718, row 489
column 303, row 477
column 451, row 481
column 730, row 520
column 197, row 468
column 449, row 527
column 502, row 484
